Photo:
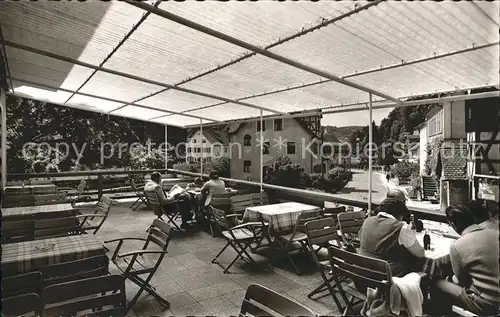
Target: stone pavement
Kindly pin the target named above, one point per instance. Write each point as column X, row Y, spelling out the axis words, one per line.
column 195, row 286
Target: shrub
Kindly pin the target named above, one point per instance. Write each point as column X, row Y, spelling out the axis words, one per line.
column 283, row 172
column 405, row 169
column 415, row 183
column 333, row 182
column 221, row 166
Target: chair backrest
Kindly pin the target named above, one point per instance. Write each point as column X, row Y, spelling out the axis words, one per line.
column 21, row 305
column 75, row 270
column 321, row 232
column 57, row 227
column 79, row 192
column 262, row 301
column 50, row 199
column 98, row 296
column 17, row 231
column 239, row 203
column 104, row 205
column 304, row 217
column 21, row 284
column 135, row 187
column 350, row 223
column 153, row 201
column 159, row 234
column 221, row 201
column 366, row 271
column 333, row 211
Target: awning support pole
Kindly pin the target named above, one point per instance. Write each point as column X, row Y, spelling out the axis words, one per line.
column 202, row 148
column 166, row 146
column 370, row 156
column 3, row 154
column 261, row 157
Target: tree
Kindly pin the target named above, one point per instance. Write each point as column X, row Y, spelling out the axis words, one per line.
column 90, row 133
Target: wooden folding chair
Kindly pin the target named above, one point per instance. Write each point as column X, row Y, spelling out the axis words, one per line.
column 17, row 231
column 22, row 284
column 322, row 233
column 79, row 192
column 262, row 301
column 57, row 227
column 287, row 242
column 170, row 211
column 333, row 212
column 349, row 224
column 98, row 296
column 238, row 236
column 141, row 198
column 75, row 270
column 95, row 220
column 132, row 268
column 21, row 305
column 364, row 271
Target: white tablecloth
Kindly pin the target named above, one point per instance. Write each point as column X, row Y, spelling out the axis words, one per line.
column 281, row 217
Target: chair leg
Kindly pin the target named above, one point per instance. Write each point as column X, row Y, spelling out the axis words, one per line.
column 220, row 252
column 328, row 285
column 171, row 220
column 239, row 255
column 289, row 257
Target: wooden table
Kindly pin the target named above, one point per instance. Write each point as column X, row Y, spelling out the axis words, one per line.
column 24, row 257
column 281, row 217
column 39, row 212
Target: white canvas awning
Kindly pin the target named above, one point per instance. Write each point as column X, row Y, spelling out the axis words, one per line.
column 178, row 62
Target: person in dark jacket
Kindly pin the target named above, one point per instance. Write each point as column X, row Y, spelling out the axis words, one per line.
column 387, row 237
column 474, row 260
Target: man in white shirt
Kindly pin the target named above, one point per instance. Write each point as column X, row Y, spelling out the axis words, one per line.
column 169, row 202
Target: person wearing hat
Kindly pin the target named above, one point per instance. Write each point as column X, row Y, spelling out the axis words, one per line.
column 387, row 237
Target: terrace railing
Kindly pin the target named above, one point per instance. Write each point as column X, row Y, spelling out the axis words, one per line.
column 124, row 190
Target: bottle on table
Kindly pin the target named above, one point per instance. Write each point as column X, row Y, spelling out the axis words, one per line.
column 412, row 222
column 427, row 240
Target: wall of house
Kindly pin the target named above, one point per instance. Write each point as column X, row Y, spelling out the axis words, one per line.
column 291, row 132
column 454, row 120
column 423, row 148
column 207, row 150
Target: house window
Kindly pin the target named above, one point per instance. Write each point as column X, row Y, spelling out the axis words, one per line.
column 266, row 146
column 247, row 166
column 198, row 150
column 194, row 140
column 247, row 140
column 204, row 141
column 278, row 124
column 290, row 147
column 263, row 125
column 189, row 150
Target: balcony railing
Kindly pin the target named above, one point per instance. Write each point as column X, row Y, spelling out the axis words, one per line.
column 274, row 191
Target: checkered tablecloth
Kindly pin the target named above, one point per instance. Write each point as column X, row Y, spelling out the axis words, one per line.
column 26, row 213
column 437, row 260
column 281, row 217
column 24, row 257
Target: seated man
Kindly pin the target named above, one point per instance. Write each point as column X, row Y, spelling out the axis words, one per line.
column 485, row 218
column 213, row 186
column 474, row 259
column 386, row 237
column 154, row 186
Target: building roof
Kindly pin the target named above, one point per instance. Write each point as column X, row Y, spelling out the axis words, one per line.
column 453, row 163
column 212, row 135
column 177, row 63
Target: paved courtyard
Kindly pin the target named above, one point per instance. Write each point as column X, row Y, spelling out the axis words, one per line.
column 195, row 286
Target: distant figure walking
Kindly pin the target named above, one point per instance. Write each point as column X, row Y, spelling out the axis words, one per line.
column 392, row 186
